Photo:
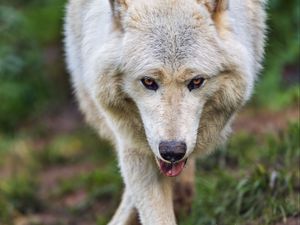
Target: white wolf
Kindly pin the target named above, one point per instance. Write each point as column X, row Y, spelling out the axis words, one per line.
column 162, row 79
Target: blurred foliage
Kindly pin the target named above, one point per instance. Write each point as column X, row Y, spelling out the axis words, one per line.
column 263, row 189
column 20, row 192
column 27, row 82
column 30, row 80
column 251, row 181
column 17, row 56
column 70, row 163
column 279, row 83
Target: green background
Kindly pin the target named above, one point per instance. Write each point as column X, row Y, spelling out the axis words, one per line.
column 55, row 170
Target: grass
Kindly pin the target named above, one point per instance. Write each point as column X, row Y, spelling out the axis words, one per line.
column 31, row 157
column 249, row 182
column 254, row 180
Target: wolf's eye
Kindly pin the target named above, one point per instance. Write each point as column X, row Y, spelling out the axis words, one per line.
column 149, row 83
column 196, row 83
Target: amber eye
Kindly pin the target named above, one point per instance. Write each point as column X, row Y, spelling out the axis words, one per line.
column 149, row 83
column 196, row 83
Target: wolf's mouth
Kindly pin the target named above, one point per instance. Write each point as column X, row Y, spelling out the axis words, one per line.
column 171, row 169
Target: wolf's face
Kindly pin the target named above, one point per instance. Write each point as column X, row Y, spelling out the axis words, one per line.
column 182, row 79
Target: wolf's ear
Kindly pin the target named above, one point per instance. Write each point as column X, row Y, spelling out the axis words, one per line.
column 215, row 6
column 221, row 6
column 117, row 4
column 217, row 9
column 118, row 7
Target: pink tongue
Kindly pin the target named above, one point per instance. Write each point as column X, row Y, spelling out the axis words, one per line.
column 171, row 170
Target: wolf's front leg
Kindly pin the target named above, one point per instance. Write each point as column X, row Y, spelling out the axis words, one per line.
column 151, row 192
column 126, row 213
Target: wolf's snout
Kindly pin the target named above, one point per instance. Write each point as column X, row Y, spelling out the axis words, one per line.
column 172, row 151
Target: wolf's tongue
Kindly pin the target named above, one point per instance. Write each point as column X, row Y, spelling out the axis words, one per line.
column 171, row 169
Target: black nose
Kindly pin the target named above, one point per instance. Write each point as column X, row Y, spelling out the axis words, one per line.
column 172, row 151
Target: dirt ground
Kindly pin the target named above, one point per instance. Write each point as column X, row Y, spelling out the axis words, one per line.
column 258, row 121
column 249, row 120
column 290, row 221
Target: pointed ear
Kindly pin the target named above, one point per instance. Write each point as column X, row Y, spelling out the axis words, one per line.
column 118, row 8
column 218, row 9
column 215, row 6
column 221, row 6
column 115, row 4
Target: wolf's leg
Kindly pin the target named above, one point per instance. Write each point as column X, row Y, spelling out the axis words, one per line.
column 126, row 213
column 151, row 192
column 184, row 189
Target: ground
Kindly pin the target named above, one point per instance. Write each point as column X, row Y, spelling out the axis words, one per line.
column 59, row 172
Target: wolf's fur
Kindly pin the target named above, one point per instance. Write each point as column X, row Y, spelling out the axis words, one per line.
column 111, row 45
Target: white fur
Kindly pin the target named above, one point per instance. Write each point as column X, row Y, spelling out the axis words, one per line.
column 108, row 52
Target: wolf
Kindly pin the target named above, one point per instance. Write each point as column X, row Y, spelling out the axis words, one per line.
column 163, row 81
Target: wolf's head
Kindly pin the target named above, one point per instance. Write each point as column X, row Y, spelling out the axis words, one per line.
column 185, row 72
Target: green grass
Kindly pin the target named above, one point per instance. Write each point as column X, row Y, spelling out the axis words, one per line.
column 249, row 181
column 27, row 155
column 254, row 180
